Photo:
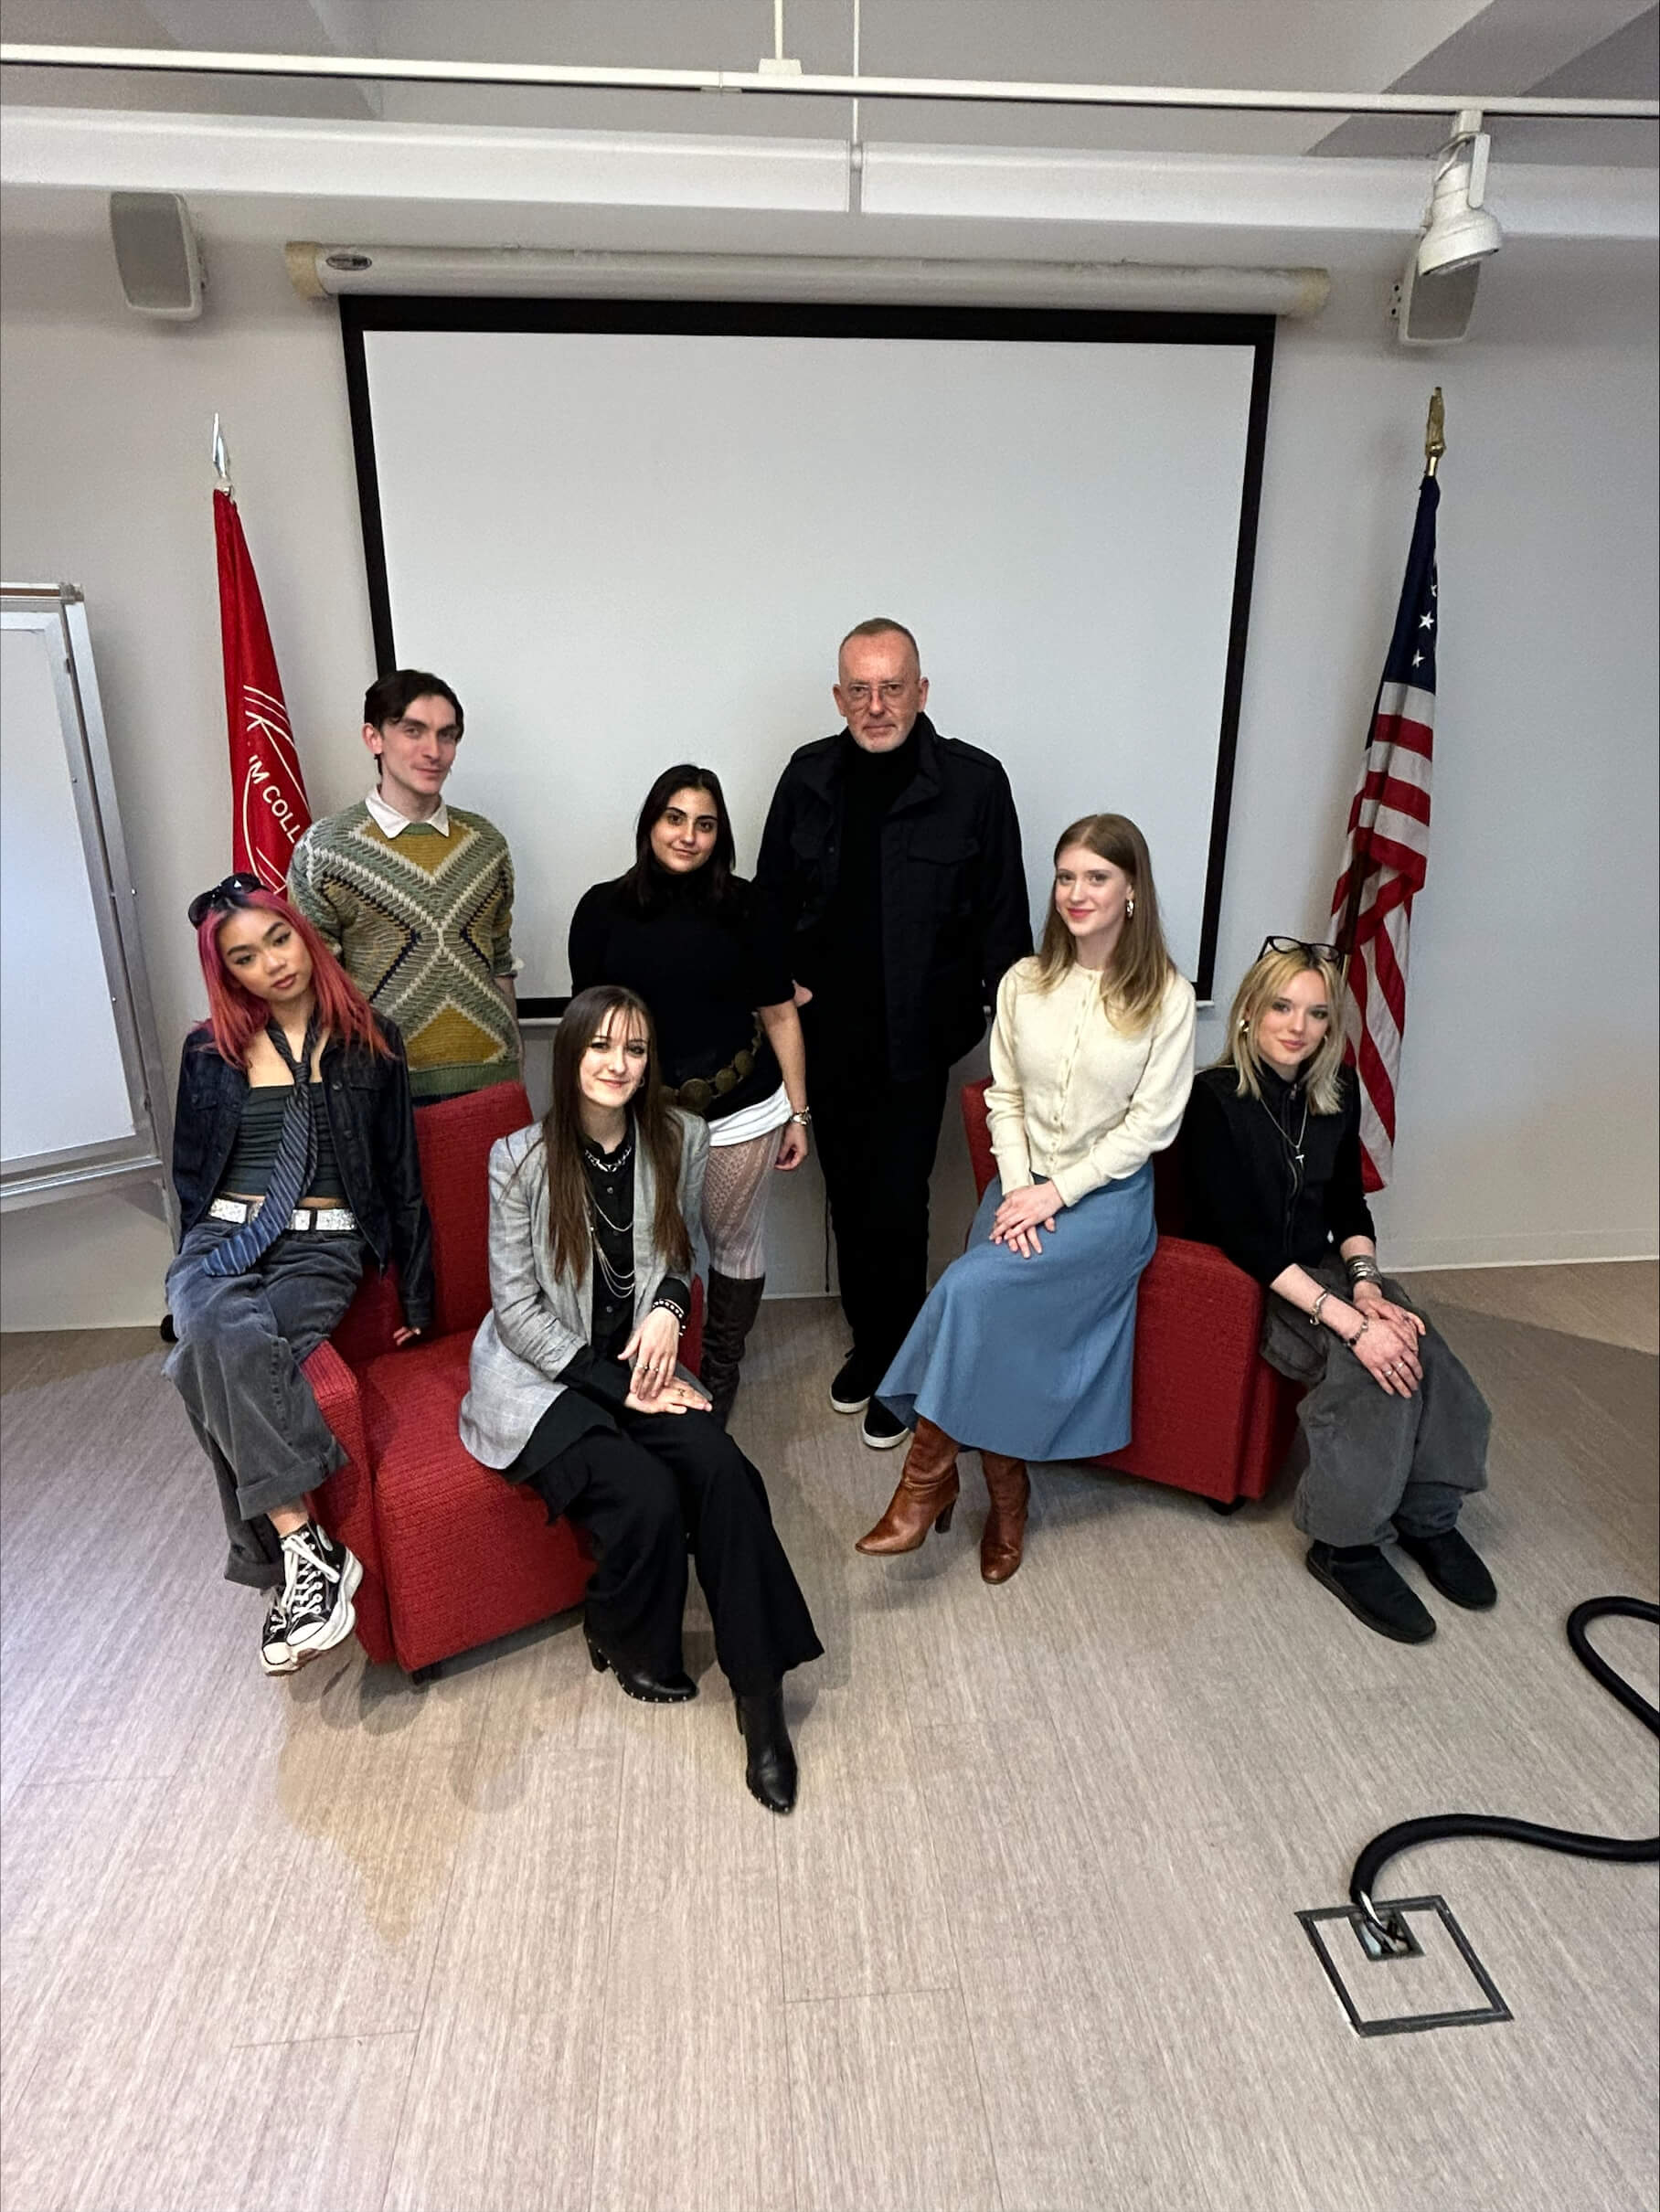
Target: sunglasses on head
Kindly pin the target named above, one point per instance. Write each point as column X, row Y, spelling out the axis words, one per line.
column 232, row 892
column 1298, row 944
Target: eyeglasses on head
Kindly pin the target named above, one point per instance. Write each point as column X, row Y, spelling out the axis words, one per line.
column 231, row 891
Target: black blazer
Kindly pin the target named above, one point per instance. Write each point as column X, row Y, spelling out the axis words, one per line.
column 372, row 1121
column 954, row 911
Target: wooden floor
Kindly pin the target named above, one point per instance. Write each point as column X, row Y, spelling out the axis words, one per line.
column 1028, row 1941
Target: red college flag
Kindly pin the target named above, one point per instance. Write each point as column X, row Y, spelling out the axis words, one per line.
column 269, row 810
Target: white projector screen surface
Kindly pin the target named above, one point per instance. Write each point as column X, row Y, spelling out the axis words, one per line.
column 626, row 548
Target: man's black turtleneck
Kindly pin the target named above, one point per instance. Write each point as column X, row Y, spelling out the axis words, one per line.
column 853, row 998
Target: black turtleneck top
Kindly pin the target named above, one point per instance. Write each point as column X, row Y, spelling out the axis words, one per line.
column 702, row 969
column 1245, row 1189
column 849, row 987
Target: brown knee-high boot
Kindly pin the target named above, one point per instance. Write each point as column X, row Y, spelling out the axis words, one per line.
column 925, row 1498
column 1009, row 1486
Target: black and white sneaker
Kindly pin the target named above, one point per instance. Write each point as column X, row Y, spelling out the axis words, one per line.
column 880, row 1428
column 322, row 1577
column 275, row 1655
column 850, row 1392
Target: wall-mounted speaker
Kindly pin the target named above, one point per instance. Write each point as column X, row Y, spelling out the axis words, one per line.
column 156, row 254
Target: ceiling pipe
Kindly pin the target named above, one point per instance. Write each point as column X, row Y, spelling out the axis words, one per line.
column 170, row 60
column 320, row 271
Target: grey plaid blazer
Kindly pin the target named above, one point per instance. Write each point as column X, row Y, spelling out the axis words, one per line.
column 536, row 1323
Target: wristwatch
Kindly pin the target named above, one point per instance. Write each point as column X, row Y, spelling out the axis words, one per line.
column 804, row 1117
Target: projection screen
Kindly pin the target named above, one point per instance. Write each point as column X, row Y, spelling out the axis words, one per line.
column 632, row 535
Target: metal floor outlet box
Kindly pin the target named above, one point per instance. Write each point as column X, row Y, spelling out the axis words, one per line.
column 1429, row 1985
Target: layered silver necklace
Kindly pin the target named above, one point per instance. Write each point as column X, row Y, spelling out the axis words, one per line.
column 619, row 1283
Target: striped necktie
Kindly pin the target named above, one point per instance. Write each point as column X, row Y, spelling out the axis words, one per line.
column 290, row 1177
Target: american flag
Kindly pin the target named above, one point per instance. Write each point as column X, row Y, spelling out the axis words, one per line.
column 1388, row 853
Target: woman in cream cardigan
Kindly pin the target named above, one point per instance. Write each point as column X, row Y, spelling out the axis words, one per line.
column 1024, row 1346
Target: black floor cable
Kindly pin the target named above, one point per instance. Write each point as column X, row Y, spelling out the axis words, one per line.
column 1638, row 1851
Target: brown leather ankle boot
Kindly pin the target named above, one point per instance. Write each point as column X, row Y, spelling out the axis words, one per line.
column 925, row 1497
column 1009, row 1486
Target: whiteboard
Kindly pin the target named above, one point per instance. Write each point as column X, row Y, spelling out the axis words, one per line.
column 75, row 1084
column 626, row 547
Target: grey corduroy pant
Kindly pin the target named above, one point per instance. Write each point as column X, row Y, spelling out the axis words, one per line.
column 1378, row 1464
column 241, row 1339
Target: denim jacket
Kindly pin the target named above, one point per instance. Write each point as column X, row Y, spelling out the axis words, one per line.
column 367, row 1099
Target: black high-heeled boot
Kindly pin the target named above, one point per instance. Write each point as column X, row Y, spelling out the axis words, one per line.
column 732, row 1307
column 769, row 1767
column 672, row 1689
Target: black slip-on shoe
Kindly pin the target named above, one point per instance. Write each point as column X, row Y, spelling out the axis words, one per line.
column 850, row 1392
column 1363, row 1580
column 1453, row 1567
column 881, row 1429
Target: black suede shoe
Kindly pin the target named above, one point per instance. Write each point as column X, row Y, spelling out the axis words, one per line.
column 769, row 1757
column 850, row 1392
column 672, row 1689
column 1451, row 1564
column 1363, row 1578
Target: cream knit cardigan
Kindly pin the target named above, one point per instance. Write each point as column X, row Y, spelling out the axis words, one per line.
column 1074, row 1100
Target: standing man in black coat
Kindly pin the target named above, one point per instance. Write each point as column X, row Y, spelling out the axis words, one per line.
column 891, row 860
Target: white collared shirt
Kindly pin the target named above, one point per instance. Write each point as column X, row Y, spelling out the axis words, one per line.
column 388, row 818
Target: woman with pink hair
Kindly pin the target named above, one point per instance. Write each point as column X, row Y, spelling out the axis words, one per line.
column 294, row 1160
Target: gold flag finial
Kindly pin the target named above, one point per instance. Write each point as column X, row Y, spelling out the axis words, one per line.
column 1435, row 434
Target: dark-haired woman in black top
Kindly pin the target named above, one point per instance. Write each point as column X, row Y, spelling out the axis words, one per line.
column 1397, row 1431
column 681, row 929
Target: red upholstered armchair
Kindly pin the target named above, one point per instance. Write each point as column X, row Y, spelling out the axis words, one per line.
column 1211, row 1415
column 453, row 1555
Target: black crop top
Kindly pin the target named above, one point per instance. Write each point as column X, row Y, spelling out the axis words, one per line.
column 254, row 1153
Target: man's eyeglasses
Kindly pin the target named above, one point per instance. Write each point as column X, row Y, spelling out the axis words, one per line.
column 860, row 694
column 1299, row 944
column 232, row 892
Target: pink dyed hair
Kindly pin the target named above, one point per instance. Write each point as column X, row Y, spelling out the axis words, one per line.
column 235, row 1017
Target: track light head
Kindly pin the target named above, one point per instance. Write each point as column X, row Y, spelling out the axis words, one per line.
column 1436, row 295
column 1459, row 231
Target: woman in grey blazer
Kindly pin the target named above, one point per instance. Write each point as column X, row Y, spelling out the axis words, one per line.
column 575, row 1387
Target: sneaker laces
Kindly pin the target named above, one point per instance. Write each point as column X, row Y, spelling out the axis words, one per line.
column 308, row 1573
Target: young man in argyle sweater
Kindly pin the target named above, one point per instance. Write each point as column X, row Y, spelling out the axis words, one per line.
column 416, row 899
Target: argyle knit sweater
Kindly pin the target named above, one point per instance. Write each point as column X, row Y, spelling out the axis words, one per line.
column 423, row 924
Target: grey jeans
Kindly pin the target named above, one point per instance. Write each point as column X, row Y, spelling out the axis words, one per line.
column 236, row 1366
column 1376, row 1462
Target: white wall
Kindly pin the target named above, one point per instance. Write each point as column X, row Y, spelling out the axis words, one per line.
column 1528, row 1112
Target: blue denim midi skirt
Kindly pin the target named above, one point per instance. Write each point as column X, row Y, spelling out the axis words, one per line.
column 1032, row 1355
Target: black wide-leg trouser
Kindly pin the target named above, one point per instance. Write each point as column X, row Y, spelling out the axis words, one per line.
column 877, row 1141
column 640, row 1490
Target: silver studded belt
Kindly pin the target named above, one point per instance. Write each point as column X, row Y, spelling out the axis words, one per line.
column 324, row 1219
